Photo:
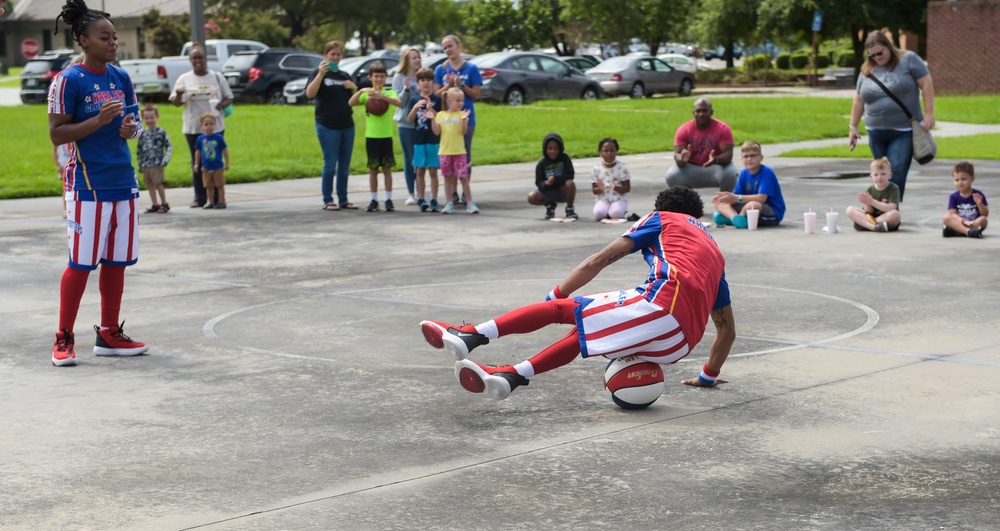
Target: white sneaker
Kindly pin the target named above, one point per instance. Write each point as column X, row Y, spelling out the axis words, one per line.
column 411, row 200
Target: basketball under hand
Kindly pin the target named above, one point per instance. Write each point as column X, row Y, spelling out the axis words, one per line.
column 634, row 383
column 376, row 107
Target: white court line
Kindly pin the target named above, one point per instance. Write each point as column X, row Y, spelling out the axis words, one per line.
column 209, row 327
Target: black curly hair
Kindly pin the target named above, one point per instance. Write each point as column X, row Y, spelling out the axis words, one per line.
column 78, row 17
column 605, row 140
column 680, row 199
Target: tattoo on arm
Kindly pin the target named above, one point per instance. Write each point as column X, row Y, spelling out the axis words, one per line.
column 719, row 318
column 617, row 257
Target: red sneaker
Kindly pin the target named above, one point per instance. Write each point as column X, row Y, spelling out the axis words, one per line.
column 63, row 352
column 496, row 382
column 112, row 342
column 457, row 342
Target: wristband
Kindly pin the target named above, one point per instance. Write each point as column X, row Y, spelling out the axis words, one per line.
column 739, row 198
column 555, row 294
column 707, row 377
column 853, row 127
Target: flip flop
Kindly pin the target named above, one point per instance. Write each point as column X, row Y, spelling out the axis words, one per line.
column 349, row 206
column 331, row 206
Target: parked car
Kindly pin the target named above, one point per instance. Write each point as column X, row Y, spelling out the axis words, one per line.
column 719, row 52
column 155, row 78
column 519, row 77
column 38, row 73
column 581, row 62
column 261, row 75
column 431, row 61
column 640, row 76
column 356, row 67
column 680, row 62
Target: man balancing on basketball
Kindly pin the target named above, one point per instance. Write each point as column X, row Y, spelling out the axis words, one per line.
column 659, row 321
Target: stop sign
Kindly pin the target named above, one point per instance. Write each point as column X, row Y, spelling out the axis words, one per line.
column 30, row 48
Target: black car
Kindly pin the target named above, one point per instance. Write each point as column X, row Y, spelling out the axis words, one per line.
column 38, row 74
column 261, row 75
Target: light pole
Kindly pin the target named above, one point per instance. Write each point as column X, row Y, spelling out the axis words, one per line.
column 198, row 21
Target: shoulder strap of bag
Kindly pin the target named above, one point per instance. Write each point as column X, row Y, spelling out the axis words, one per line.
column 909, row 115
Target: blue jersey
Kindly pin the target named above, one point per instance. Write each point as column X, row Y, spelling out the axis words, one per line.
column 100, row 166
column 469, row 74
column 211, row 147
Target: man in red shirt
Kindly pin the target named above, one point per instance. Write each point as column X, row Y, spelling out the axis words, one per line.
column 703, row 152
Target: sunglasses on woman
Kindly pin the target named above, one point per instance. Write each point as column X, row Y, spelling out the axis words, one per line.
column 874, row 55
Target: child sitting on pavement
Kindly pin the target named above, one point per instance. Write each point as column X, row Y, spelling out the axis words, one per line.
column 967, row 207
column 554, row 178
column 880, row 200
column 756, row 188
column 610, row 182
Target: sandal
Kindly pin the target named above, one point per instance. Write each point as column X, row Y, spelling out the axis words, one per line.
column 164, row 208
column 152, row 209
column 349, row 206
column 331, row 206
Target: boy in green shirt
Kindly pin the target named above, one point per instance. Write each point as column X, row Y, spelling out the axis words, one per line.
column 881, row 201
column 378, row 133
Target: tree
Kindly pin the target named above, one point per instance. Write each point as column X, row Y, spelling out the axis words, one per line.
column 858, row 17
column 429, row 20
column 168, row 33
column 249, row 25
column 727, row 22
column 495, row 24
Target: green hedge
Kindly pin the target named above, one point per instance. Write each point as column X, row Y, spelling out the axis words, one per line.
column 800, row 60
column 844, row 59
column 783, row 61
column 756, row 62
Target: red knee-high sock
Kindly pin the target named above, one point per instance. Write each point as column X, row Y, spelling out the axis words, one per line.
column 557, row 354
column 536, row 316
column 71, row 288
column 112, row 285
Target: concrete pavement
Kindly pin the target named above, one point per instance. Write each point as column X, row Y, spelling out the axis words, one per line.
column 288, row 386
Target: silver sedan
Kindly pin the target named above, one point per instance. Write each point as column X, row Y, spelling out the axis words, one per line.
column 640, row 76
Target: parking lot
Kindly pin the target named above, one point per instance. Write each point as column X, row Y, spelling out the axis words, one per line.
column 288, row 385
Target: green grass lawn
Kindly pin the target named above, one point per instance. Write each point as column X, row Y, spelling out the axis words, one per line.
column 965, row 147
column 279, row 142
column 13, row 79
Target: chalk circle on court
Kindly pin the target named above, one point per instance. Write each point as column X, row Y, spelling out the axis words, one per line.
column 768, row 319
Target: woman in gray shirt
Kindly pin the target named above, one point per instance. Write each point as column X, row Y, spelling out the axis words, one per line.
column 889, row 131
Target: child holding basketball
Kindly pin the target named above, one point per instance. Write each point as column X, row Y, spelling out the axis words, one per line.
column 554, row 178
column 153, row 153
column 756, row 188
column 967, row 207
column 881, row 201
column 211, row 158
column 421, row 113
column 610, row 182
column 451, row 125
column 378, row 132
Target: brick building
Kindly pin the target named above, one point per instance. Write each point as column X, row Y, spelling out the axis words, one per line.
column 963, row 39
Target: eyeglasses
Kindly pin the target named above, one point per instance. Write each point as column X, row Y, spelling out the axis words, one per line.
column 874, row 55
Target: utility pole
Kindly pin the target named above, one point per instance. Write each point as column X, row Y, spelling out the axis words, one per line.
column 198, row 21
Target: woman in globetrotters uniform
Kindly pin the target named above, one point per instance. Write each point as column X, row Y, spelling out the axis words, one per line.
column 92, row 107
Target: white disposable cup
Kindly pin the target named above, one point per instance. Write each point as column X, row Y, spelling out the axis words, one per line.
column 214, row 103
column 753, row 216
column 810, row 221
column 831, row 222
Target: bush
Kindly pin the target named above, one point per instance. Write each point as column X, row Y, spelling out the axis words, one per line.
column 845, row 59
column 800, row 60
column 783, row 61
column 756, row 62
column 822, row 61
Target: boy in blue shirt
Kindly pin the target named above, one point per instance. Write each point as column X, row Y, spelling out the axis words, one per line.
column 210, row 152
column 421, row 111
column 757, row 188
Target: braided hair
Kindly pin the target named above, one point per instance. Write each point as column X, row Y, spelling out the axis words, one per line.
column 78, row 17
